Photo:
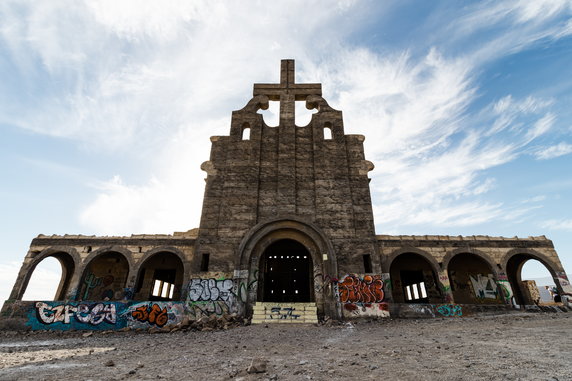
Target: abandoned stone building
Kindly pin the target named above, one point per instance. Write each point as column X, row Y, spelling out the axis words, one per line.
column 286, row 234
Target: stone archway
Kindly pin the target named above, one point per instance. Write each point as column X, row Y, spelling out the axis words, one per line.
column 524, row 293
column 160, row 278
column 414, row 279
column 67, row 264
column 286, row 273
column 253, row 249
column 104, row 277
column 473, row 280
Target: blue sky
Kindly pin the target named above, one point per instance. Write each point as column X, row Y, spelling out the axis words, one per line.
column 106, row 109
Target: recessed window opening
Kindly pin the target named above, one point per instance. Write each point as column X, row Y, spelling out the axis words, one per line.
column 416, row 291
column 271, row 116
column 327, row 131
column 163, row 289
column 367, row 267
column 205, row 262
column 246, row 131
column 302, row 116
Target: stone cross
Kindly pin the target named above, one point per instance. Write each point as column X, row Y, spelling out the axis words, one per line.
column 287, row 91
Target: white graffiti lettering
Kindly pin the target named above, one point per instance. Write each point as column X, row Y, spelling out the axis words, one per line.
column 83, row 313
column 210, row 290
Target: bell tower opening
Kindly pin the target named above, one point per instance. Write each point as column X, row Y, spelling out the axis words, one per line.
column 286, row 267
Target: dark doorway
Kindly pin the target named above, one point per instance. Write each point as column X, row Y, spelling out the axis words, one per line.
column 286, row 265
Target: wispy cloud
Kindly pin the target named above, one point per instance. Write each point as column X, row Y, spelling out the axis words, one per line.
column 156, row 80
column 551, row 152
column 558, row 224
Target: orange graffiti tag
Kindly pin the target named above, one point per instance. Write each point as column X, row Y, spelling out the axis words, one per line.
column 151, row 314
column 367, row 290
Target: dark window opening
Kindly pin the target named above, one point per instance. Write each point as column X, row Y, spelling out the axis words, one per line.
column 367, row 267
column 414, row 288
column 205, row 262
column 163, row 284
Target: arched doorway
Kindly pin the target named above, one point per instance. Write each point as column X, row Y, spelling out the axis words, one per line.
column 42, row 283
column 104, row 277
column 413, row 280
column 286, row 273
column 526, row 291
column 472, row 280
column 160, row 278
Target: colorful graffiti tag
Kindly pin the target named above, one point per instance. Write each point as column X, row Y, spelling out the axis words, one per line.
column 484, row 286
column 450, row 310
column 154, row 314
column 362, row 296
column 54, row 315
column 208, row 297
column 369, row 289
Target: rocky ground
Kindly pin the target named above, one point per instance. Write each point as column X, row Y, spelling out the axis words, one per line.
column 507, row 347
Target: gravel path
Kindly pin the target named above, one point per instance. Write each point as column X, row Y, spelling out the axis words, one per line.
column 507, row 347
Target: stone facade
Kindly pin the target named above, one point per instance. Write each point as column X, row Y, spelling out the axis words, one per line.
column 286, row 220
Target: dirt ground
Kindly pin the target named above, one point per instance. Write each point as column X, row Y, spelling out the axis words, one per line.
column 506, row 347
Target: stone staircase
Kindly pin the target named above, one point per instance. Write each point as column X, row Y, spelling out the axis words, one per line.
column 269, row 312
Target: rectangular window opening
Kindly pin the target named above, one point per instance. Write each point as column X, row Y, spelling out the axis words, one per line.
column 367, row 267
column 205, row 262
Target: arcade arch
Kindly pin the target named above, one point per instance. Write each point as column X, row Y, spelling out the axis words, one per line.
column 57, row 292
column 104, row 277
column 473, row 280
column 160, row 278
column 413, row 279
column 524, row 291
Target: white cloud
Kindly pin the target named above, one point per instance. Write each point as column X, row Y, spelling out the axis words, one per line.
column 551, row 152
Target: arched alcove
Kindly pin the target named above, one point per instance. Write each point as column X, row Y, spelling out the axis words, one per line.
column 104, row 277
column 160, row 277
column 473, row 280
column 413, row 280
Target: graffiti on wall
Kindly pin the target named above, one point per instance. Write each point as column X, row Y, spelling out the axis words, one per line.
column 484, row 286
column 445, row 286
column 105, row 315
column 54, row 315
column 507, row 292
column 564, row 282
column 244, row 287
column 210, row 290
column 98, row 288
column 283, row 313
column 449, row 310
column 368, row 289
column 362, row 296
column 208, row 297
column 154, row 314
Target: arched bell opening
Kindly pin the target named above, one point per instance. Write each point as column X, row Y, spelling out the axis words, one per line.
column 286, row 270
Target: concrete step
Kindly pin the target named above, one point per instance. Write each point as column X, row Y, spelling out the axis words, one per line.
column 283, row 313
